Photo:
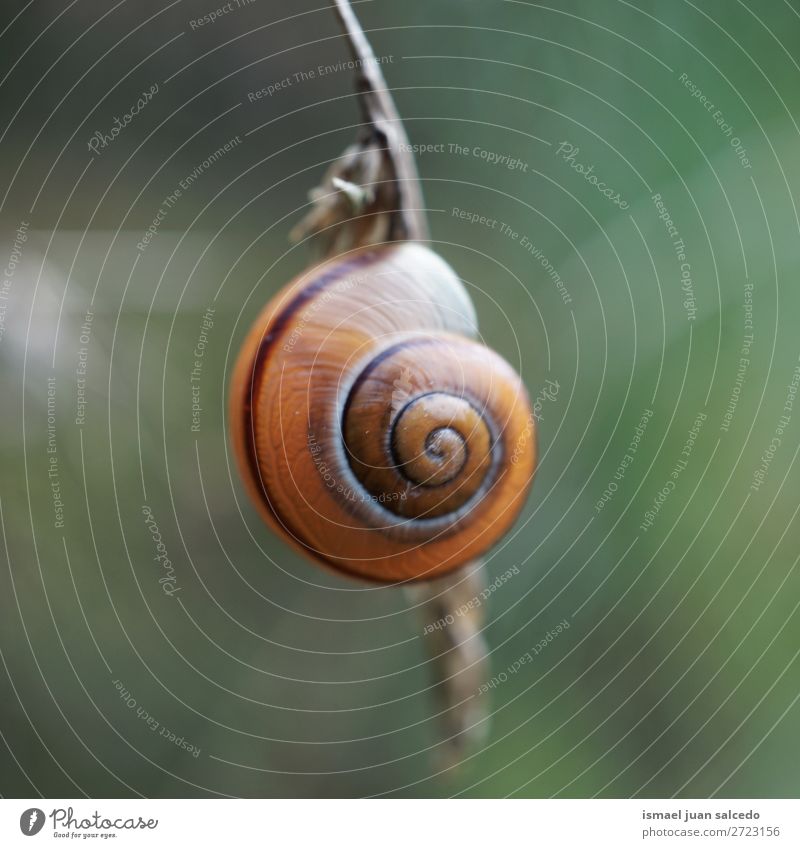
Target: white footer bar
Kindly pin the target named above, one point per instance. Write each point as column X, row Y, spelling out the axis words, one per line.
column 401, row 823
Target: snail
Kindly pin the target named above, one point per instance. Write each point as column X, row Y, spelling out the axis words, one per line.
column 372, row 428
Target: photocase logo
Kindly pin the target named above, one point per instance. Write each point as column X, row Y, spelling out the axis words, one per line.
column 31, row 821
column 65, row 824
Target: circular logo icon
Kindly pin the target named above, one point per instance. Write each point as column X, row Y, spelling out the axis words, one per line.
column 31, row 821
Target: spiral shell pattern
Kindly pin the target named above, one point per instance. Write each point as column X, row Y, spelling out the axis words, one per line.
column 372, row 430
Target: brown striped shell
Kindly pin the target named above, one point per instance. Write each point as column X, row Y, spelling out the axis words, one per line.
column 370, row 427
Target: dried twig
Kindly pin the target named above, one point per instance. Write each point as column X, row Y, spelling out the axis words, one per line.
column 372, row 193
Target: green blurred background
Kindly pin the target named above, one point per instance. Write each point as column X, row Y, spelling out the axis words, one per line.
column 678, row 674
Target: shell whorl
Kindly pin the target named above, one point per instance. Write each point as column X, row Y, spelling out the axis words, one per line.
column 371, row 428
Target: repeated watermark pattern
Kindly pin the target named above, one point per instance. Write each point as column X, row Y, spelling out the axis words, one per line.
column 53, row 465
column 171, row 200
column 168, row 579
column 626, row 461
column 152, row 722
column 81, row 367
column 623, row 212
column 473, row 603
column 7, row 280
column 218, row 13
column 199, row 354
column 310, row 74
column 569, row 153
column 679, row 247
column 725, row 127
column 548, row 393
column 332, row 481
column 780, row 432
column 743, row 366
column 681, row 464
column 525, row 659
column 101, row 140
column 505, row 229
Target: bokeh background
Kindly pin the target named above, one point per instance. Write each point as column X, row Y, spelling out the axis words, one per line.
column 678, row 674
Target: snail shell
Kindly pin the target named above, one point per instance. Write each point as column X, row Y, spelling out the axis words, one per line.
column 370, row 427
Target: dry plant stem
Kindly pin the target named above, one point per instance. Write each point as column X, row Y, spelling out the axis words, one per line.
column 371, row 195
column 380, row 112
column 458, row 652
column 459, row 657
